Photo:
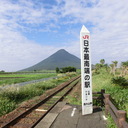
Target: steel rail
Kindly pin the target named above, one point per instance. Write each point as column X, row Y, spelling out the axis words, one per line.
column 12, row 122
column 55, row 104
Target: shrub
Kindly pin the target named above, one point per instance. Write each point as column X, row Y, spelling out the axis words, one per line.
column 65, row 69
column 57, row 70
column 121, row 81
column 6, row 106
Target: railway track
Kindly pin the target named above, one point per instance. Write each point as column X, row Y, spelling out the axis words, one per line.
column 30, row 116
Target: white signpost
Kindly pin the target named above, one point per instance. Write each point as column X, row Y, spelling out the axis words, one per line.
column 86, row 77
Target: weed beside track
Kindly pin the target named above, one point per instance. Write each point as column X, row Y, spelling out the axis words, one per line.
column 29, row 115
column 12, row 97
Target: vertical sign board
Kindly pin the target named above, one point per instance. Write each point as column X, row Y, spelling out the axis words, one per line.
column 86, row 78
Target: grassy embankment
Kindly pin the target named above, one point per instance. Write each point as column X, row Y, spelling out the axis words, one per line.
column 11, row 97
column 118, row 93
column 102, row 80
column 7, row 79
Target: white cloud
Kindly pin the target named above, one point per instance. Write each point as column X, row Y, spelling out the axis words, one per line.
column 17, row 52
column 110, row 30
column 106, row 20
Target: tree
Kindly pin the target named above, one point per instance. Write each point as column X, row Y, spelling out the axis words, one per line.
column 102, row 61
column 114, row 66
column 106, row 67
column 111, row 68
column 124, row 67
column 57, row 70
column 97, row 67
column 2, row 71
column 68, row 69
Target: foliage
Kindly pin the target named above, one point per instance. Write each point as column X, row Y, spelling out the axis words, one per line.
column 115, row 63
column 17, row 78
column 124, row 68
column 119, row 94
column 11, row 97
column 125, row 64
column 2, row 71
column 100, row 66
column 110, row 123
column 113, row 67
column 66, row 69
column 73, row 100
column 121, row 81
column 57, row 70
column 102, row 61
column 6, row 106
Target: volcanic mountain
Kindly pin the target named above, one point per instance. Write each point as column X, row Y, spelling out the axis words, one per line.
column 60, row 59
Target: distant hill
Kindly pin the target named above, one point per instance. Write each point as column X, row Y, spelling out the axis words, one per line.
column 60, row 59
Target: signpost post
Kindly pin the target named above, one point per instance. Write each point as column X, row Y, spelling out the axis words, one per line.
column 86, row 77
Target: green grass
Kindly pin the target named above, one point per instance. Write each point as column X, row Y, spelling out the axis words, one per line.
column 110, row 122
column 11, row 97
column 6, row 105
column 26, row 77
column 75, row 96
column 118, row 93
column 73, row 100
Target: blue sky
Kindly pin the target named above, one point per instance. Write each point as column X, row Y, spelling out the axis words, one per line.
column 32, row 30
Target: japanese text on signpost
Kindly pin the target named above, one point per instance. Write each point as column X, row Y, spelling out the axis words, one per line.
column 86, row 71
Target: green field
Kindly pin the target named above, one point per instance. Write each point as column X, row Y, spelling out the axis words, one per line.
column 12, row 97
column 13, row 78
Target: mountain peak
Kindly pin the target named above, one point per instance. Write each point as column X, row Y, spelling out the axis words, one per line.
column 62, row 50
column 59, row 59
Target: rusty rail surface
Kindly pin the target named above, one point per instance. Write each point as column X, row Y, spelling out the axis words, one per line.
column 31, row 116
column 119, row 116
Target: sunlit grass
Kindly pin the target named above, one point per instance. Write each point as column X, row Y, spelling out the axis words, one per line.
column 22, row 77
column 118, row 93
column 11, row 97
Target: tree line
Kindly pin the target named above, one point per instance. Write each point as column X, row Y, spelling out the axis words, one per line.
column 65, row 69
column 118, row 73
column 112, row 68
